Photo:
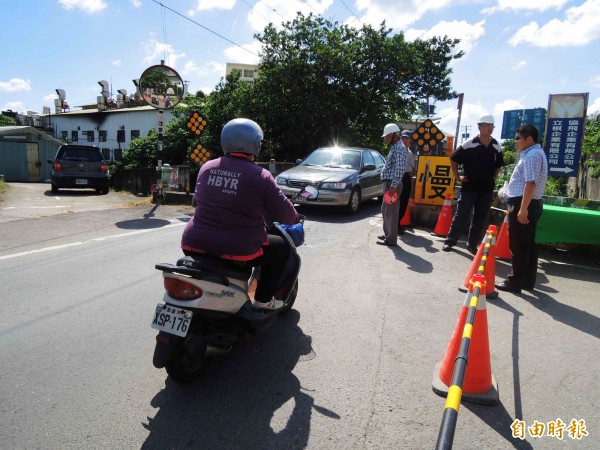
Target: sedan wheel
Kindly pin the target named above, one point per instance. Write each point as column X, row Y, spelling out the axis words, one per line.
column 354, row 201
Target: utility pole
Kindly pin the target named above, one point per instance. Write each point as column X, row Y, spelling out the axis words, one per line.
column 466, row 133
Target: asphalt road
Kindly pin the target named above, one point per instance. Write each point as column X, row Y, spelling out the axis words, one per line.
column 350, row 367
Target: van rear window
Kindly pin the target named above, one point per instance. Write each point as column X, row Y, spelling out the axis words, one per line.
column 80, row 154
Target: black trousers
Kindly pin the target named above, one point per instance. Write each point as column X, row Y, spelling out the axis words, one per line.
column 405, row 195
column 522, row 242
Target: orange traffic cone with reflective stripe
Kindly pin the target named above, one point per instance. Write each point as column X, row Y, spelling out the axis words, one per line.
column 479, row 385
column 442, row 228
column 503, row 241
column 490, row 263
column 405, row 221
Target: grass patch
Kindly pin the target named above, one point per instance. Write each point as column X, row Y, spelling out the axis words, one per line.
column 3, row 186
column 141, row 202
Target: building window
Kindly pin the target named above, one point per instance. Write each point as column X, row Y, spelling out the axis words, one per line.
column 248, row 73
column 90, row 135
column 106, row 154
column 120, row 135
column 135, row 134
column 74, row 136
column 118, row 154
column 63, row 136
column 102, row 136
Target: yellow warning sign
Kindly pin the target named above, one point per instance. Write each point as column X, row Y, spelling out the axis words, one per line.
column 427, row 135
column 434, row 180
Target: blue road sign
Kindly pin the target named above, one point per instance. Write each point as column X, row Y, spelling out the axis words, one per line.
column 563, row 146
column 514, row 118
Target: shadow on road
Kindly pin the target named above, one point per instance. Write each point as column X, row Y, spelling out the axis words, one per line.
column 247, row 399
column 337, row 214
column 73, row 193
column 146, row 222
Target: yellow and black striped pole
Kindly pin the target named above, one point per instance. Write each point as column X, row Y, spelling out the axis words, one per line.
column 450, row 417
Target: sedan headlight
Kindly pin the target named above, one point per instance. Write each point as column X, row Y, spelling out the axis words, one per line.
column 333, row 186
column 281, row 180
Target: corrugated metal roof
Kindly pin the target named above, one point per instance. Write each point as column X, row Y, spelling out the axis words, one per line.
column 20, row 130
column 108, row 111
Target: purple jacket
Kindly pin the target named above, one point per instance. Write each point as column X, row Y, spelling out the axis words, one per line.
column 233, row 196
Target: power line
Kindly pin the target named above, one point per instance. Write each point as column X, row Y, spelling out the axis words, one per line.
column 250, row 8
column 207, row 29
column 351, row 12
column 274, row 10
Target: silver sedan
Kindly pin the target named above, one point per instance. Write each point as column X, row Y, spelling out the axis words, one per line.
column 344, row 176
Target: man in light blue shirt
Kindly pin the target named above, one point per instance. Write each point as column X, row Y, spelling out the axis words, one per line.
column 391, row 176
column 525, row 190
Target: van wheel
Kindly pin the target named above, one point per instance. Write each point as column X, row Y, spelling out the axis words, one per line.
column 354, row 201
column 54, row 189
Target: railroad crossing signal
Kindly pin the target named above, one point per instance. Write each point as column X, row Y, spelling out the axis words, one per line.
column 427, row 135
column 195, row 125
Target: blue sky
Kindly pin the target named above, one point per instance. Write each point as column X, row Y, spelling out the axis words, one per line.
column 516, row 52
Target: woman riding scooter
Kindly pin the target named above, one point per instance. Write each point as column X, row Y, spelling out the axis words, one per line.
column 233, row 197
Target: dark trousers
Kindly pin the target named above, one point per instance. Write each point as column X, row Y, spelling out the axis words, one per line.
column 479, row 204
column 405, row 196
column 522, row 242
column 271, row 262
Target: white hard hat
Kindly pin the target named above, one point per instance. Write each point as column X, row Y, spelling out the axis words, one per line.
column 486, row 118
column 389, row 129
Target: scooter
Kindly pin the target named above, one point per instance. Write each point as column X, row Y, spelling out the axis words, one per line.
column 208, row 306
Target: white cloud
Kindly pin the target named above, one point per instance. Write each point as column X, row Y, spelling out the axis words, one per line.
column 529, row 5
column 519, row 65
column 278, row 11
column 156, row 51
column 580, row 27
column 468, row 33
column 49, row 98
column 397, row 14
column 245, row 55
column 116, row 62
column 207, row 5
column 211, row 68
column 88, row 6
column 136, row 3
column 15, row 84
column 15, row 106
column 506, row 105
column 594, row 107
column 595, row 80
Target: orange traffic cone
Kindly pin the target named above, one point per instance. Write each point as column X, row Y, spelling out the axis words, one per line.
column 503, row 241
column 442, row 227
column 490, row 265
column 405, row 221
column 479, row 385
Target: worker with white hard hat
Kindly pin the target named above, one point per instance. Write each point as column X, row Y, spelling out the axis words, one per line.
column 396, row 165
column 481, row 160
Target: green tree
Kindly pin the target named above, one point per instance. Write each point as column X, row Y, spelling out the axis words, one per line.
column 322, row 83
column 7, row 121
column 591, row 142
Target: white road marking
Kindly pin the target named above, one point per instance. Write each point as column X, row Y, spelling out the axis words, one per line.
column 100, row 239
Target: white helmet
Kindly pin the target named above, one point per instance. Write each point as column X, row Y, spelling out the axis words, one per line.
column 486, row 118
column 389, row 129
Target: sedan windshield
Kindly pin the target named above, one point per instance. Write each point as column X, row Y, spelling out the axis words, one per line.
column 334, row 157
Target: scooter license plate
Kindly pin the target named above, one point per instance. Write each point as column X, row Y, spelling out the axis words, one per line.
column 172, row 320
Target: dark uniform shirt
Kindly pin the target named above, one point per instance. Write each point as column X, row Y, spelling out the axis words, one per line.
column 479, row 164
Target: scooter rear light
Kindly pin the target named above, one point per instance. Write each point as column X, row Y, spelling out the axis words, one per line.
column 181, row 290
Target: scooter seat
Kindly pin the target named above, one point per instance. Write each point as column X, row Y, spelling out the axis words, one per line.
column 216, row 265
